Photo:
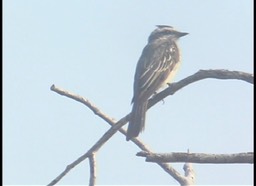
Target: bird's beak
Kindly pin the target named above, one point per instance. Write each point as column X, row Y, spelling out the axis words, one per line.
column 181, row 34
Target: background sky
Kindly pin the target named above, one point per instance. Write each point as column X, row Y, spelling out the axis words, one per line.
column 91, row 48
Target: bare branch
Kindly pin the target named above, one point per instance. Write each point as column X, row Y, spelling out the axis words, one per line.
column 117, row 125
column 200, row 75
column 171, row 171
column 102, row 141
column 84, row 101
column 172, row 89
column 92, row 163
column 93, row 149
column 198, row 157
column 189, row 175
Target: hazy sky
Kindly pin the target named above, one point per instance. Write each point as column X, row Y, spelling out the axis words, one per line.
column 91, row 48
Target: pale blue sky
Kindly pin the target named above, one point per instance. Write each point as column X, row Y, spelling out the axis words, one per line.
column 91, row 48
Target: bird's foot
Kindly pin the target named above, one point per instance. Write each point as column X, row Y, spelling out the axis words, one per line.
column 155, row 95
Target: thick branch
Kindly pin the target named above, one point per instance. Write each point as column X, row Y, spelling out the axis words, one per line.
column 198, row 157
column 200, row 75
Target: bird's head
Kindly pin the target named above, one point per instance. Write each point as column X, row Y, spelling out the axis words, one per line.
column 165, row 31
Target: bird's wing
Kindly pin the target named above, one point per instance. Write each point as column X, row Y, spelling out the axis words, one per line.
column 154, row 66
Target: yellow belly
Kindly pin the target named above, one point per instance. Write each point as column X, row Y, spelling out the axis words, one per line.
column 170, row 78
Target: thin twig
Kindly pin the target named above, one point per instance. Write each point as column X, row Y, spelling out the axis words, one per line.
column 84, row 101
column 92, row 163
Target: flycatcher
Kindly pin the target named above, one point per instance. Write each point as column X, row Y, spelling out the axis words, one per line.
column 156, row 67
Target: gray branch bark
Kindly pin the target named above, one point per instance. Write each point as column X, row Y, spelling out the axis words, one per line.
column 200, row 75
column 189, row 175
column 116, row 125
column 198, row 157
column 92, row 163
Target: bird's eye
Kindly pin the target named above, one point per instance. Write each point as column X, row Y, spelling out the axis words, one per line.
column 167, row 32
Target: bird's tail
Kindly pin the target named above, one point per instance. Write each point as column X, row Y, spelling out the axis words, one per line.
column 137, row 119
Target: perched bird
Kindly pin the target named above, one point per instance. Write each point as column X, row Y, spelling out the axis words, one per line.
column 156, row 67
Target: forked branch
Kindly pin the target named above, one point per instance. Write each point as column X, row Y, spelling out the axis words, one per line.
column 116, row 125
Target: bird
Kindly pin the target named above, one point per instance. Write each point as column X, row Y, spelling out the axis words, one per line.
column 156, row 67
